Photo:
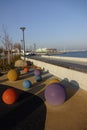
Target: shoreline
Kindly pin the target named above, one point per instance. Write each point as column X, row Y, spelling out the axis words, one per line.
column 83, row 60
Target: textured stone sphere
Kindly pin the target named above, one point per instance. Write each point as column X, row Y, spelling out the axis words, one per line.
column 12, row 75
column 10, row 96
column 26, row 69
column 39, row 68
column 27, row 84
column 38, row 78
column 20, row 63
column 53, row 80
column 37, row 72
column 55, row 94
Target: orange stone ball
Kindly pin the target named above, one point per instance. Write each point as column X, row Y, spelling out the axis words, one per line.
column 26, row 69
column 9, row 96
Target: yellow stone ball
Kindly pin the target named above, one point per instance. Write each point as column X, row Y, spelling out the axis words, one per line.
column 39, row 68
column 12, row 75
column 53, row 80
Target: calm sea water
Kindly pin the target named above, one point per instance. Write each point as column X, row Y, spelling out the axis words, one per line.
column 74, row 54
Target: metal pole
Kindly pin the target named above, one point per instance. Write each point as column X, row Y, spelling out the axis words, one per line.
column 24, row 45
column 23, row 28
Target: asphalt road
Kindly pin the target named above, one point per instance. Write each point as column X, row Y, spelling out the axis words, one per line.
column 63, row 63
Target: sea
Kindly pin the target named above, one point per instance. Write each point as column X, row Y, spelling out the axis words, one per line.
column 80, row 54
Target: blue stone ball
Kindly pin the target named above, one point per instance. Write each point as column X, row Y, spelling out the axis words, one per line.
column 27, row 84
column 38, row 78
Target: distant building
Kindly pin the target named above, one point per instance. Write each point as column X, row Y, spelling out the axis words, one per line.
column 51, row 50
column 41, row 50
column 46, row 50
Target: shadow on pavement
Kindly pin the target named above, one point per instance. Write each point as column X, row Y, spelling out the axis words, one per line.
column 71, row 87
column 28, row 113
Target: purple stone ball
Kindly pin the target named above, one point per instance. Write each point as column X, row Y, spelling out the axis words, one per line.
column 37, row 72
column 55, row 94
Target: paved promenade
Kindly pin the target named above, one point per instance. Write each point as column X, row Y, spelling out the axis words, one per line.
column 32, row 112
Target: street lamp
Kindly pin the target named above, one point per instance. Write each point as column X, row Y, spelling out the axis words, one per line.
column 23, row 28
column 22, row 44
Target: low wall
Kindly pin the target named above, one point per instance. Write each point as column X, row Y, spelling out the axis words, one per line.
column 63, row 73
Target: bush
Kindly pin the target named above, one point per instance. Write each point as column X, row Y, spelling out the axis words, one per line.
column 5, row 66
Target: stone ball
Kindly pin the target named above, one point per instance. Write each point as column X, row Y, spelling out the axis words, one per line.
column 38, row 78
column 52, row 80
column 55, row 94
column 26, row 69
column 10, row 96
column 12, row 75
column 27, row 84
column 37, row 72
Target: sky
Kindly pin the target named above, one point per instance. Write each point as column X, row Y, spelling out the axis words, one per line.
column 60, row 24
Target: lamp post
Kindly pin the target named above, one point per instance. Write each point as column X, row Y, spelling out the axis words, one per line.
column 23, row 28
column 22, row 44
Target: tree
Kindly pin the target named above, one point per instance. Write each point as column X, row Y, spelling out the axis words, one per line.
column 1, row 49
column 6, row 43
column 17, row 46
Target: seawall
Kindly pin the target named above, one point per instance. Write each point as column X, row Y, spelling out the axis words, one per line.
column 77, row 77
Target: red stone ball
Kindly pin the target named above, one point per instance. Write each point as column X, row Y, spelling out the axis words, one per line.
column 10, row 96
